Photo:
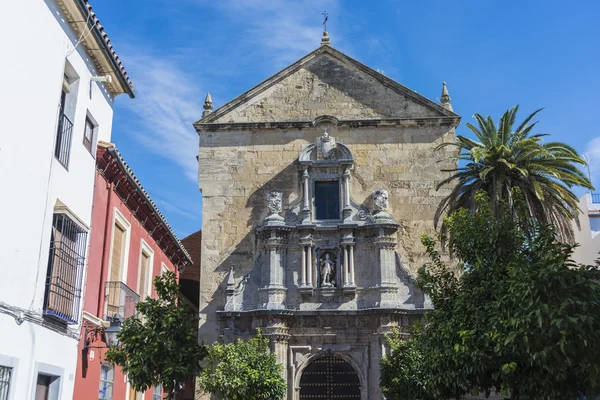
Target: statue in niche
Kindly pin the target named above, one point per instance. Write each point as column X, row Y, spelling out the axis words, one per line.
column 381, row 200
column 327, row 271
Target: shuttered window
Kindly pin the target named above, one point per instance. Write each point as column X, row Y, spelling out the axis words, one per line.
column 144, row 275
column 113, row 305
column 117, row 254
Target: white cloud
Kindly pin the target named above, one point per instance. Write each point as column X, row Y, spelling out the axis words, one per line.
column 167, row 103
column 189, row 214
column 284, row 30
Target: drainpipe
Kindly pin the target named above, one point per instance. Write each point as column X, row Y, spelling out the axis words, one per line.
column 105, row 248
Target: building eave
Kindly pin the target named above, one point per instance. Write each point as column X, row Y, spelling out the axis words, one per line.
column 450, row 121
column 107, row 154
column 82, row 19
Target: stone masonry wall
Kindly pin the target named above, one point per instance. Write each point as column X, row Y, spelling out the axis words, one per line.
column 237, row 168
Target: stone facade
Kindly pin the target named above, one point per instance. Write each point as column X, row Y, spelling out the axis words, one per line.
column 319, row 286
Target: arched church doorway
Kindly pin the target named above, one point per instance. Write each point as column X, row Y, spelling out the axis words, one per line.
column 329, row 377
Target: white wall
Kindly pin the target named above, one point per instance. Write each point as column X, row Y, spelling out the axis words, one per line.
column 586, row 236
column 36, row 42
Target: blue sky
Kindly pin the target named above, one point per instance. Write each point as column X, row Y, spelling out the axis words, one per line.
column 492, row 55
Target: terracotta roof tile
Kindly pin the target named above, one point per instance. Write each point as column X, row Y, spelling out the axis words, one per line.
column 109, row 46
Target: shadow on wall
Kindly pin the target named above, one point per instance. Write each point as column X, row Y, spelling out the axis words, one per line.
column 245, row 257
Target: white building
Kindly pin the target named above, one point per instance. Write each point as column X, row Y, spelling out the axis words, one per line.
column 56, row 104
column 588, row 234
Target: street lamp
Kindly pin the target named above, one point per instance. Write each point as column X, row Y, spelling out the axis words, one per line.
column 110, row 333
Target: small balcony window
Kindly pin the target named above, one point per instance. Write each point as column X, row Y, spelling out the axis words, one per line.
column 327, row 200
column 65, row 269
column 89, row 135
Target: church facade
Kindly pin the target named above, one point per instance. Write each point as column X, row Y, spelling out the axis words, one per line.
column 317, row 185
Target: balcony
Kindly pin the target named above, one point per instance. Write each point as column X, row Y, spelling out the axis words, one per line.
column 595, row 198
column 65, row 270
column 63, row 140
column 120, row 299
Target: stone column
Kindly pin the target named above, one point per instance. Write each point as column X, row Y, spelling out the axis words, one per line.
column 278, row 334
column 346, row 266
column 351, row 265
column 385, row 243
column 346, row 188
column 303, row 267
column 306, row 198
column 273, row 290
column 348, row 246
column 309, row 267
column 347, row 210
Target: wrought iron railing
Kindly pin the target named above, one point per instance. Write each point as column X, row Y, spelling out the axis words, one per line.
column 120, row 299
column 596, row 198
column 5, row 374
column 65, row 269
column 62, row 150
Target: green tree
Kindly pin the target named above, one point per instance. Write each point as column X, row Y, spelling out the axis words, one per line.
column 508, row 158
column 162, row 346
column 516, row 313
column 402, row 371
column 243, row 371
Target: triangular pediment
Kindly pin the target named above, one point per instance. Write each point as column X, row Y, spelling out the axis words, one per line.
column 326, row 82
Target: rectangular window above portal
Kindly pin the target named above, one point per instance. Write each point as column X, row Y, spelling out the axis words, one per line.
column 327, row 200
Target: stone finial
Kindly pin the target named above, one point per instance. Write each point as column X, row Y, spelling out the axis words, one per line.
column 230, row 283
column 208, row 105
column 325, row 41
column 445, row 98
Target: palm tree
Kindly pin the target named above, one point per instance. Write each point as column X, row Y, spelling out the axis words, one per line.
column 506, row 162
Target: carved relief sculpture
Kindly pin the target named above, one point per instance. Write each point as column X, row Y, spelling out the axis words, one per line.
column 274, row 204
column 381, row 205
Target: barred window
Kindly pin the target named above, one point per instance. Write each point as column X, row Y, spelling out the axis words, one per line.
column 65, row 269
column 5, row 374
column 107, row 380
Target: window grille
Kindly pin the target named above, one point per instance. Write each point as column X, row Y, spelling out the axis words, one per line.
column 65, row 269
column 62, row 150
column 5, row 374
column 107, row 380
column 327, row 200
column 596, row 198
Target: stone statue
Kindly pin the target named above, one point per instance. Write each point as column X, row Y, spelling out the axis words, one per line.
column 274, row 201
column 380, row 206
column 326, row 145
column 274, row 204
column 327, row 267
column 381, row 200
